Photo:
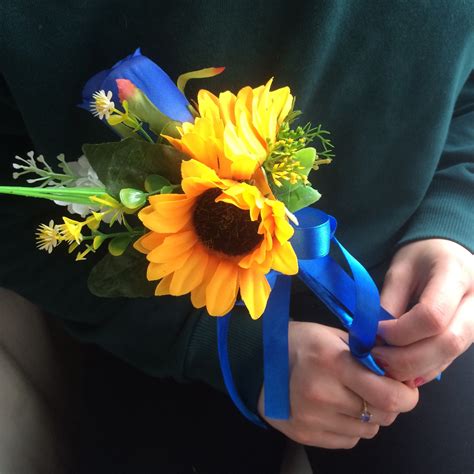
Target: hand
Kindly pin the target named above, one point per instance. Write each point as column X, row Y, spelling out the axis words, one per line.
column 327, row 388
column 438, row 277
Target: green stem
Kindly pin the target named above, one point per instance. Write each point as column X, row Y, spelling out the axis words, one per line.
column 158, row 191
column 131, row 233
column 70, row 195
column 127, row 225
column 145, row 134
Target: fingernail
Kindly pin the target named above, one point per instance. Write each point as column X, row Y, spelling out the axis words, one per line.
column 419, row 381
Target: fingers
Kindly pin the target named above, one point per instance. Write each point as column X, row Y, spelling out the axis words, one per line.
column 379, row 417
column 384, row 393
column 353, row 428
column 327, row 440
column 438, row 302
column 422, row 361
column 350, row 404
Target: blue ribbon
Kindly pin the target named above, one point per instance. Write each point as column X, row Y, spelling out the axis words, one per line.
column 354, row 300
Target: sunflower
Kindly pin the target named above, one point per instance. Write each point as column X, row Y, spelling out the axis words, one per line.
column 217, row 239
column 234, row 134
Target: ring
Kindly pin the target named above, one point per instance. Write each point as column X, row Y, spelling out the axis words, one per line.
column 365, row 415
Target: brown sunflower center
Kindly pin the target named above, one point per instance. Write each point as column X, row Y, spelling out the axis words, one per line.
column 224, row 227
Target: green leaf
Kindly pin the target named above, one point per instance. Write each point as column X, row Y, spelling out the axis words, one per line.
column 168, row 190
column 98, row 241
column 132, row 198
column 118, row 245
column 300, row 197
column 128, row 163
column 306, row 157
column 297, row 196
column 155, row 182
column 123, row 276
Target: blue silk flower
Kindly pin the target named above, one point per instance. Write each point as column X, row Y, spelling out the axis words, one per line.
column 147, row 76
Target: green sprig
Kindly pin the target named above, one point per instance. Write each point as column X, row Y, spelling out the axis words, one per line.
column 69, row 195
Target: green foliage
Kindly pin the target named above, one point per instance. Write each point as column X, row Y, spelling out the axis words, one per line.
column 305, row 157
column 132, row 198
column 290, row 140
column 298, row 195
column 119, row 244
column 155, row 183
column 123, row 276
column 128, row 163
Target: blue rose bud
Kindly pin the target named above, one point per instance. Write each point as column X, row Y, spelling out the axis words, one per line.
column 148, row 77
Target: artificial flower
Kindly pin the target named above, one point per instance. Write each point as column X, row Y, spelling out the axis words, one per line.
column 217, row 239
column 147, row 76
column 48, row 236
column 83, row 176
column 234, row 133
column 136, row 103
column 102, row 105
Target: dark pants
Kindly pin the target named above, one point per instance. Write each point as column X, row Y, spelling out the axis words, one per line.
column 135, row 424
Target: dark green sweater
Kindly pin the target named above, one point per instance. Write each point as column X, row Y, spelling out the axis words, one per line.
column 393, row 82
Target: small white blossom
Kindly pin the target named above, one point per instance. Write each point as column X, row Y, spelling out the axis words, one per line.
column 102, row 106
column 84, row 177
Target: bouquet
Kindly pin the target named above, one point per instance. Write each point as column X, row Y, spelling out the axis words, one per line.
column 209, row 198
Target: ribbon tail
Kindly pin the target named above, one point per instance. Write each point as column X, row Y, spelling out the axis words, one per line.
column 223, row 324
column 275, row 350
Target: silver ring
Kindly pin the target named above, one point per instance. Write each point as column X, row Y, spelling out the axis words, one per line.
column 365, row 415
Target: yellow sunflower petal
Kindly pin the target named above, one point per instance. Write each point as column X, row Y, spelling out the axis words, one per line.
column 169, row 213
column 254, row 290
column 243, row 168
column 284, row 259
column 163, row 288
column 155, row 271
column 221, row 291
column 282, row 102
column 149, row 241
column 190, row 275
column 173, row 246
column 196, row 169
column 250, row 137
column 283, row 229
column 198, row 294
column 260, row 257
column 227, row 104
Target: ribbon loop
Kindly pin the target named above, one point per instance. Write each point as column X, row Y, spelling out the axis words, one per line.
column 312, row 237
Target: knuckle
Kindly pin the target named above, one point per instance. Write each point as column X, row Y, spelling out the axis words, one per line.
column 435, row 316
column 391, row 401
column 395, row 273
column 461, row 271
column 454, row 345
column 314, row 393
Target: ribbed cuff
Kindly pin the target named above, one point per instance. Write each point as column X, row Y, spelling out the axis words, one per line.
column 446, row 213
